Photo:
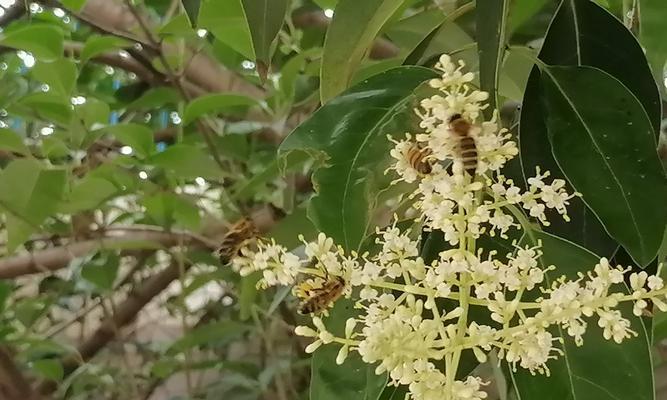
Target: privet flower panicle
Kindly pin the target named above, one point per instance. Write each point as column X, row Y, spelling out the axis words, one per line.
column 403, row 327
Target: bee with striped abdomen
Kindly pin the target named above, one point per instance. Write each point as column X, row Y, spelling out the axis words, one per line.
column 318, row 296
column 466, row 148
column 417, row 157
column 238, row 235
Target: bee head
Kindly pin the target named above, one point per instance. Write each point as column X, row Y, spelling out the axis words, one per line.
column 455, row 117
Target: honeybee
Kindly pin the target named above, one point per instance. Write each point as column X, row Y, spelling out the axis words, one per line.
column 417, row 159
column 317, row 298
column 467, row 150
column 238, row 235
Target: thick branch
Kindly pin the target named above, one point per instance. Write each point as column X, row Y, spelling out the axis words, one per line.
column 202, row 71
column 124, row 314
column 136, row 300
column 56, row 258
column 13, row 12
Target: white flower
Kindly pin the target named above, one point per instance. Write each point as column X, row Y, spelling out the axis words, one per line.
column 614, row 326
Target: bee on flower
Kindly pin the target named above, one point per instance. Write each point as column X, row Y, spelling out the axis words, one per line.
column 413, row 317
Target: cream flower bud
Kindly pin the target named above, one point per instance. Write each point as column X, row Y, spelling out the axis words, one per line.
column 313, row 346
column 342, row 354
column 305, row 331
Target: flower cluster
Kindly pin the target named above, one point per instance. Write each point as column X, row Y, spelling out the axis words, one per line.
column 414, row 318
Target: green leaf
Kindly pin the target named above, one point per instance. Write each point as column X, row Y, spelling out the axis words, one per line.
column 186, row 161
column 46, row 105
column 192, row 10
column 96, row 45
column 88, row 194
column 582, row 33
column 93, row 113
column 102, row 271
column 491, row 21
column 50, row 369
column 155, row 98
column 600, row 369
column 179, row 26
column 425, row 34
column 521, row 11
column 348, row 133
column 265, row 18
column 11, row 141
column 214, row 103
column 59, row 74
column 604, row 143
column 248, row 291
column 652, row 36
column 139, row 137
column 353, row 28
column 168, row 208
column 355, row 379
column 244, row 190
column 45, row 42
column 74, row 5
column 213, row 334
column 28, row 195
column 447, row 37
column 227, row 21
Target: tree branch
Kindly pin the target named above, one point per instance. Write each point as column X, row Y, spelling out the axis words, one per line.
column 124, row 314
column 56, row 258
column 12, row 13
column 136, row 300
column 13, row 385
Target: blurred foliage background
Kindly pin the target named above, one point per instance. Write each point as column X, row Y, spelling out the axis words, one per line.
column 134, row 134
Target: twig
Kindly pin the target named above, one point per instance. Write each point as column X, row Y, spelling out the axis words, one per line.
column 126, row 312
column 13, row 385
column 206, row 131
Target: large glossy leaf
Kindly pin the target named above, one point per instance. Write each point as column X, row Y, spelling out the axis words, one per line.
column 28, row 195
column 354, row 380
column 604, row 143
column 347, row 133
column 583, row 33
column 600, row 369
column 353, row 28
column 491, row 21
column 653, row 36
column 227, row 21
column 265, row 18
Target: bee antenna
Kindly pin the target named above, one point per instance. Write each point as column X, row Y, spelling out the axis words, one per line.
column 455, row 117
